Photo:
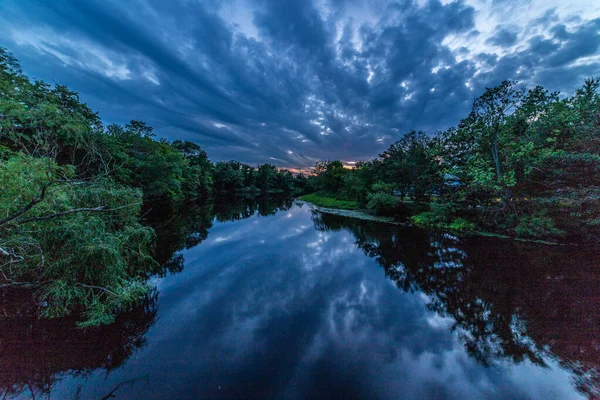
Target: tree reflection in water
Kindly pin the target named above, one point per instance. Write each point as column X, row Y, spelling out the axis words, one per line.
column 36, row 354
column 509, row 300
column 183, row 229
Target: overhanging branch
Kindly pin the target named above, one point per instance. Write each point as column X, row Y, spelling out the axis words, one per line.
column 60, row 214
column 37, row 199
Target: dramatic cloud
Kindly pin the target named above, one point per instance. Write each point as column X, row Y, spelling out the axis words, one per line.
column 504, row 38
column 291, row 82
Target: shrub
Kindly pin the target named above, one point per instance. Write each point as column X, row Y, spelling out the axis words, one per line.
column 462, row 225
column 537, row 225
column 382, row 203
column 440, row 217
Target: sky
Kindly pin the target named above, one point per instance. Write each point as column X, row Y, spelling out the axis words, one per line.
column 291, row 82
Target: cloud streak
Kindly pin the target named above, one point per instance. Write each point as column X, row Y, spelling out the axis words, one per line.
column 291, row 82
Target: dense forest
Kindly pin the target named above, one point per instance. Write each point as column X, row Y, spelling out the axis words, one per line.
column 75, row 194
column 524, row 162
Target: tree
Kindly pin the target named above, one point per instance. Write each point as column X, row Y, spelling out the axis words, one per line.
column 199, row 172
column 228, row 177
column 249, row 175
column 285, row 181
column 266, row 177
column 78, row 242
column 490, row 112
column 409, row 163
column 330, row 175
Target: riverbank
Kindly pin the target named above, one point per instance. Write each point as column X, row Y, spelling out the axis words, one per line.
column 354, row 211
column 350, row 213
column 330, row 202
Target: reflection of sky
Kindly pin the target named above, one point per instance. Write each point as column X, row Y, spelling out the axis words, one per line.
column 271, row 307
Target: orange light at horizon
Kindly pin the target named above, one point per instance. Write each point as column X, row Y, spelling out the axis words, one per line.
column 311, row 170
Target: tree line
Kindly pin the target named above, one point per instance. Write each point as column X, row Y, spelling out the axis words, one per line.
column 74, row 192
column 523, row 162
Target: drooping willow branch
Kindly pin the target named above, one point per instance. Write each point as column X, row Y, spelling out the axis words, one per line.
column 60, row 214
column 37, row 284
column 37, row 199
column 13, row 258
column 73, row 211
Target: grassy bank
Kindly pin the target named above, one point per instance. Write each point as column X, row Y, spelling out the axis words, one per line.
column 421, row 219
column 330, row 202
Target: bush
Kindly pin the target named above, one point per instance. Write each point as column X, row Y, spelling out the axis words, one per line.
column 382, row 203
column 425, row 219
column 462, row 225
column 537, row 225
column 440, row 217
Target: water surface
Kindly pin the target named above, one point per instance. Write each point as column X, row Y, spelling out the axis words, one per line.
column 274, row 300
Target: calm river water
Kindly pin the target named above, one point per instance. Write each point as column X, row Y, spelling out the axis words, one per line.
column 279, row 301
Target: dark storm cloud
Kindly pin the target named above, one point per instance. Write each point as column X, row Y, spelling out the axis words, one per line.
column 503, row 38
column 290, row 82
column 580, row 42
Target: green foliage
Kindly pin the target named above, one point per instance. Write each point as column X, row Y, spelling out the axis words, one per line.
column 330, row 175
column 537, row 225
column 100, row 305
column 522, row 155
column 82, row 259
column 330, row 202
column 233, row 177
column 357, row 182
column 228, row 177
column 410, row 166
column 382, row 203
column 266, row 176
column 161, row 170
column 382, row 187
column 461, row 225
column 438, row 216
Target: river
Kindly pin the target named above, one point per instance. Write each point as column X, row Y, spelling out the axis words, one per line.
column 276, row 300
